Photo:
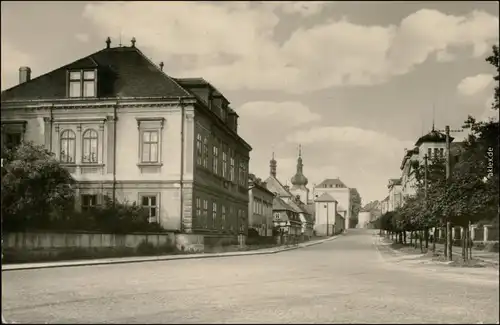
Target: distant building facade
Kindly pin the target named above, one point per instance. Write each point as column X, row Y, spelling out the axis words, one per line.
column 293, row 197
column 340, row 192
column 260, row 207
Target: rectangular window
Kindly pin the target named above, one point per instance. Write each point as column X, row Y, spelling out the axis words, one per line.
column 231, row 165
column 150, row 146
column 436, row 152
column 89, row 201
column 231, row 218
column 441, row 152
column 242, row 174
column 82, row 83
column 12, row 140
column 205, row 214
column 429, row 153
column 223, row 217
column 214, row 214
column 205, row 152
column 198, row 215
column 224, row 160
column 149, row 202
column 215, row 157
column 199, row 150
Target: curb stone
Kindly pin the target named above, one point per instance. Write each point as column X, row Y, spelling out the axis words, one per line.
column 34, row 266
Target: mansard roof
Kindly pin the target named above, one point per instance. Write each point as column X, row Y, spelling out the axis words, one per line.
column 332, row 182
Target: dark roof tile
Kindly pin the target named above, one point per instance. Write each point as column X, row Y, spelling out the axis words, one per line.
column 122, row 72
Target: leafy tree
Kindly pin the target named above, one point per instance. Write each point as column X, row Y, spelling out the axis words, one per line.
column 355, row 206
column 34, row 186
column 494, row 61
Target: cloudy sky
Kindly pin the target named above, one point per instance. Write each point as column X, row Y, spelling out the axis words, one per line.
column 355, row 83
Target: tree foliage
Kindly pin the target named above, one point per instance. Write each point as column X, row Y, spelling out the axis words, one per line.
column 34, row 185
column 494, row 61
column 355, row 206
column 472, row 192
column 38, row 194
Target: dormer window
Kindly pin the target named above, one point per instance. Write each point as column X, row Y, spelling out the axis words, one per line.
column 82, row 83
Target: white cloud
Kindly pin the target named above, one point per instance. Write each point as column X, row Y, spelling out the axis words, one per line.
column 82, row 37
column 334, row 53
column 12, row 60
column 304, row 8
column 473, row 85
column 444, row 56
column 286, row 113
column 350, row 137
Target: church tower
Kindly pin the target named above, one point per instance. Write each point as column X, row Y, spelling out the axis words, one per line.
column 272, row 167
column 299, row 181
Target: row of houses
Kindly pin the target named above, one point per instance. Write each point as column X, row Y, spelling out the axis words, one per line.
column 432, row 144
column 127, row 130
column 277, row 209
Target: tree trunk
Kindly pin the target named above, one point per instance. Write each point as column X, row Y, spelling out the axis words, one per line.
column 411, row 238
column 420, row 237
column 434, row 238
column 464, row 243
column 404, row 237
column 426, row 231
column 445, row 241
column 449, row 241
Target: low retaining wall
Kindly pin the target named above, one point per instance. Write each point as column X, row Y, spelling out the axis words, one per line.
column 39, row 246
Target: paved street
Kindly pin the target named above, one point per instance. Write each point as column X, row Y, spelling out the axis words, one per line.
column 347, row 280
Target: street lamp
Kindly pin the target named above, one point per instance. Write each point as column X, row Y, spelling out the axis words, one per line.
column 327, row 220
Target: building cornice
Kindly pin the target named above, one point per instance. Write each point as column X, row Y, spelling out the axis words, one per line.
column 95, row 103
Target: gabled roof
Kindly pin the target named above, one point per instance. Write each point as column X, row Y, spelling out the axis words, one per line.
column 325, row 197
column 295, row 207
column 122, row 72
column 332, row 182
column 280, row 205
column 275, row 186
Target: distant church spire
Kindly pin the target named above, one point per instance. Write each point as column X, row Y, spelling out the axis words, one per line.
column 299, row 179
column 272, row 165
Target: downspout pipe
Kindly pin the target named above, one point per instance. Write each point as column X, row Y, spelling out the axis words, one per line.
column 115, row 118
column 181, row 194
column 51, row 126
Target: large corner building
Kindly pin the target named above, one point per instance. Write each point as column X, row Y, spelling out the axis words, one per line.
column 127, row 130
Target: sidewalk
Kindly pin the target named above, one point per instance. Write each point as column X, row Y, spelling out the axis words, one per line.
column 488, row 257
column 119, row 260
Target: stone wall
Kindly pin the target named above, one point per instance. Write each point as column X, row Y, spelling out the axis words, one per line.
column 33, row 246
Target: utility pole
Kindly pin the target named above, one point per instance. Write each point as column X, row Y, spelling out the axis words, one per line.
column 426, row 164
column 327, row 221
column 449, row 239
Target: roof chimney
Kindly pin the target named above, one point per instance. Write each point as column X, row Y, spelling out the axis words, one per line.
column 161, row 65
column 133, row 41
column 108, row 42
column 24, row 74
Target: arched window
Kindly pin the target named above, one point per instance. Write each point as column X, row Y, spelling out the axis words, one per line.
column 90, row 146
column 67, row 148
